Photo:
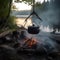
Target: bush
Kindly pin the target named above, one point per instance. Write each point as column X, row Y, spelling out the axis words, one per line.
column 11, row 22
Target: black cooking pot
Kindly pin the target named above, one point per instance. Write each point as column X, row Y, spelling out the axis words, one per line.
column 33, row 29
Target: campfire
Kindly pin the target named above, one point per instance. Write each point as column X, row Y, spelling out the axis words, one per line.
column 30, row 43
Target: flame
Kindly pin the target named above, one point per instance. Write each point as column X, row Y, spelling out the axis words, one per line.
column 30, row 42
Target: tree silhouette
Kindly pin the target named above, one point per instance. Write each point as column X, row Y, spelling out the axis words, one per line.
column 5, row 9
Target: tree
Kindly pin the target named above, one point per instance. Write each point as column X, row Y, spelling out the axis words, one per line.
column 5, row 10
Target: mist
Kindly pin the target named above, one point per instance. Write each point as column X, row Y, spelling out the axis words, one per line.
column 50, row 14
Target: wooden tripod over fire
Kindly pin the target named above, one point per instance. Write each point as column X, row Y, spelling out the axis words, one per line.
column 33, row 13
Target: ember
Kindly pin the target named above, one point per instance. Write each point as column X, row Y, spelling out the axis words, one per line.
column 30, row 43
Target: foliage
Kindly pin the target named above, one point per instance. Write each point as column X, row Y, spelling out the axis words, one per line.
column 42, row 6
column 24, row 1
column 11, row 22
column 4, row 8
column 14, row 7
column 5, row 19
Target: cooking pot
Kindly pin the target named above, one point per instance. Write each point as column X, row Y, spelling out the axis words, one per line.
column 33, row 29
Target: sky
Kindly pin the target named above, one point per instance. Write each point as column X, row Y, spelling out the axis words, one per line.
column 39, row 1
column 23, row 6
